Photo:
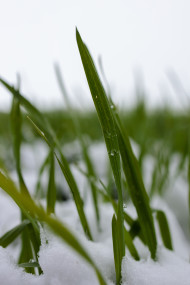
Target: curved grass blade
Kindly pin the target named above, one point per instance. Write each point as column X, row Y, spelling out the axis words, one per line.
column 32, row 110
column 77, row 129
column 71, row 182
column 108, row 127
column 47, row 133
column 164, row 229
column 11, row 235
column 28, row 205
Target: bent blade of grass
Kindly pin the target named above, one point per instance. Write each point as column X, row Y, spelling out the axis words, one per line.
column 28, row 205
column 51, row 195
column 136, row 187
column 164, row 229
column 31, row 109
column 78, row 133
column 108, row 127
column 12, row 234
column 70, row 181
column 48, row 134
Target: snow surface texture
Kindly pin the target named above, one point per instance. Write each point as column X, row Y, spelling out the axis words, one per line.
column 62, row 266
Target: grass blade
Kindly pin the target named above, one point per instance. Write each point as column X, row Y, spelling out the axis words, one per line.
column 71, row 182
column 16, row 123
column 28, row 205
column 129, row 236
column 51, row 195
column 11, row 235
column 41, row 170
column 29, row 264
column 108, row 127
column 30, row 242
column 164, row 229
column 130, row 245
column 32, row 110
column 115, row 239
column 48, row 135
column 77, row 129
column 136, row 187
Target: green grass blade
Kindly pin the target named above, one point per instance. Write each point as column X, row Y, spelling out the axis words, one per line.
column 78, row 132
column 47, row 133
column 129, row 236
column 28, row 205
column 41, row 171
column 27, row 252
column 164, row 229
column 71, row 182
column 116, row 250
column 130, row 245
column 51, row 195
column 11, row 235
column 29, row 264
column 16, row 123
column 136, row 187
column 31, row 109
column 108, row 127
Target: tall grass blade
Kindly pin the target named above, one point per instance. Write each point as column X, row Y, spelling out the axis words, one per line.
column 108, row 127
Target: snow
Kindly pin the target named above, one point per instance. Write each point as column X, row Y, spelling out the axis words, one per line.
column 62, row 266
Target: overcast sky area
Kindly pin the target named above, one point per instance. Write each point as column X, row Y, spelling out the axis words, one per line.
column 138, row 40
